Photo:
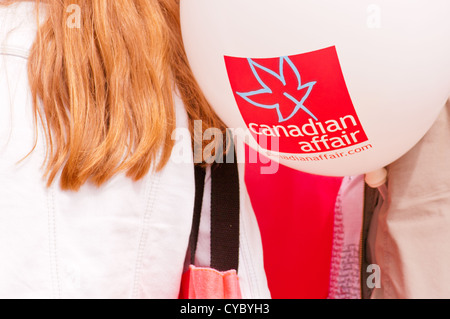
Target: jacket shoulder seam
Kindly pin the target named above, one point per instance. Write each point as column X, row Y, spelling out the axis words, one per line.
column 15, row 52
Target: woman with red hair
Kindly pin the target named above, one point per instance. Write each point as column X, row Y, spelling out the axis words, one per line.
column 93, row 203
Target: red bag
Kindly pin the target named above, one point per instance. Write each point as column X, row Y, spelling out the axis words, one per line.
column 208, row 283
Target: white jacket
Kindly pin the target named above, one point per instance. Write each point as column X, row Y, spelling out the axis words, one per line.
column 123, row 240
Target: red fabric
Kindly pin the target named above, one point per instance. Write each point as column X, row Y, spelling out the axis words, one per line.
column 208, row 283
column 295, row 213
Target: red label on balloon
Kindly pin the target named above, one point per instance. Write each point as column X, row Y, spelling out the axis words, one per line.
column 296, row 104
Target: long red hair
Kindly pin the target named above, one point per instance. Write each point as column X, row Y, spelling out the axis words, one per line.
column 104, row 91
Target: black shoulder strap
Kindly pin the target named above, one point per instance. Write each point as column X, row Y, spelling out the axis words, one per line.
column 225, row 209
column 199, row 191
column 225, row 216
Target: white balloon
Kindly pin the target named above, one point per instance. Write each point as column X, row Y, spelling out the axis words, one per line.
column 344, row 86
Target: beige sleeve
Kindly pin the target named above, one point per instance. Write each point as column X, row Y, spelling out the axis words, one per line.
column 410, row 234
